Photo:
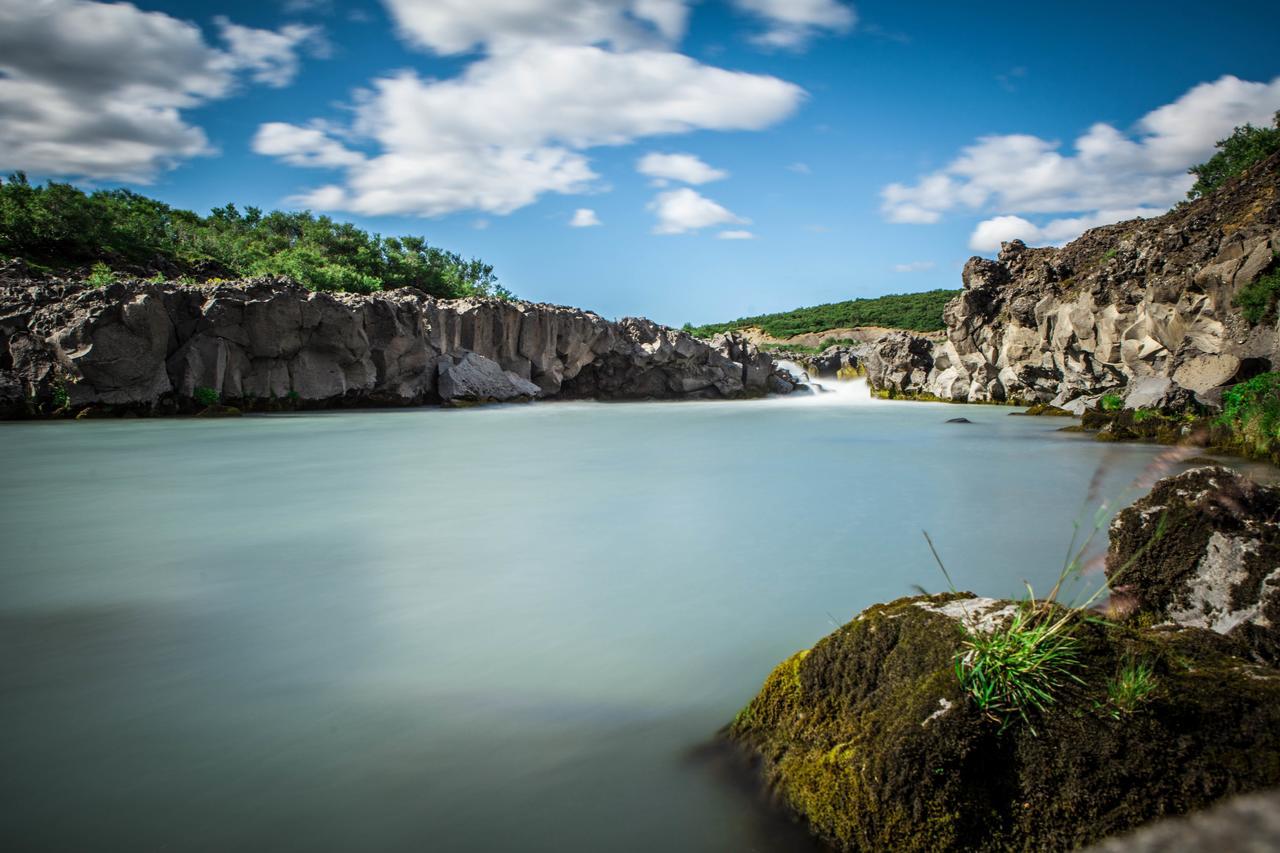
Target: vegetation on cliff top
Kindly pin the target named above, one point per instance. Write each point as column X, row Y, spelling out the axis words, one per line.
column 917, row 312
column 1245, row 146
column 60, row 227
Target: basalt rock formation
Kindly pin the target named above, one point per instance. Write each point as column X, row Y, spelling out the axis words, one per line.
column 1203, row 550
column 151, row 347
column 1145, row 309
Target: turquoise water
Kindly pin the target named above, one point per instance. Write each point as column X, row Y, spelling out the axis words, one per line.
column 505, row 628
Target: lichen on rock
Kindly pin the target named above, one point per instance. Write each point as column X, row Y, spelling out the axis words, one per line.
column 1215, row 563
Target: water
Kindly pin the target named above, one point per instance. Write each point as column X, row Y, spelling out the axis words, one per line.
column 491, row 629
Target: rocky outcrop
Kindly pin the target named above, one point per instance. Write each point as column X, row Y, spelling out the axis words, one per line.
column 870, row 738
column 1203, row 550
column 1144, row 309
column 155, row 347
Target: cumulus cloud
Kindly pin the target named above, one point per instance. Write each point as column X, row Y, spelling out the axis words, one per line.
column 990, row 233
column 792, row 23
column 459, row 26
column 736, row 234
column 271, row 56
column 1109, row 174
column 96, row 90
column 584, row 217
column 512, row 126
column 914, row 266
column 685, row 168
column 684, row 210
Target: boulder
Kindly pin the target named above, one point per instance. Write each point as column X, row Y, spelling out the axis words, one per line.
column 1203, row 550
column 870, row 739
column 1249, row 823
column 475, row 379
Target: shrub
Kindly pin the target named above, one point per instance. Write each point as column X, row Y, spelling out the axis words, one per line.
column 1257, row 299
column 61, row 226
column 1251, row 410
column 207, row 396
column 100, row 275
column 1245, row 146
column 1112, row 403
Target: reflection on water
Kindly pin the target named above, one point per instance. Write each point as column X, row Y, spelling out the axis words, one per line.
column 494, row 629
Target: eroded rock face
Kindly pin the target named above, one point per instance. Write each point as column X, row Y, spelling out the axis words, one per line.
column 1142, row 308
column 1203, row 550
column 870, row 739
column 151, row 346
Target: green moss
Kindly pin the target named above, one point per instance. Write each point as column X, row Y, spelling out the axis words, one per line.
column 871, row 739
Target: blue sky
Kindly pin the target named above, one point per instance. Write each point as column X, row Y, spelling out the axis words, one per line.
column 992, row 121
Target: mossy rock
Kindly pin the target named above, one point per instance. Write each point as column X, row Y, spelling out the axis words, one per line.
column 1202, row 549
column 218, row 410
column 870, row 739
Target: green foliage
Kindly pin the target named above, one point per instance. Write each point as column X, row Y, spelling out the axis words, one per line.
column 61, row 395
column 100, row 276
column 1251, row 410
column 207, row 396
column 1257, row 299
column 1112, row 403
column 1020, row 666
column 1244, row 147
column 63, row 227
column 1132, row 685
column 918, row 312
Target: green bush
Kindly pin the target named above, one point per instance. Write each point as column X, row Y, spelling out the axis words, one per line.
column 1112, row 403
column 207, row 396
column 60, row 226
column 1244, row 147
column 1257, row 299
column 917, row 312
column 100, row 275
column 1251, row 410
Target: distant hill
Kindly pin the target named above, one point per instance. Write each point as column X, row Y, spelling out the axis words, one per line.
column 917, row 312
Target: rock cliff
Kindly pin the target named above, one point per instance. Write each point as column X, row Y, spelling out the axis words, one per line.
column 155, row 347
column 1146, row 309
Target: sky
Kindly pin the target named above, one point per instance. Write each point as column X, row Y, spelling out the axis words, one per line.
column 685, row 160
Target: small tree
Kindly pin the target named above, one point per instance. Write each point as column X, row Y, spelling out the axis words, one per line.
column 1245, row 146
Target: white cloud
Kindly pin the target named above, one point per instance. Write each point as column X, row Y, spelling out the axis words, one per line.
column 459, row 26
column 584, row 217
column 800, row 169
column 736, row 235
column 303, row 146
column 684, row 210
column 914, row 266
column 513, row 126
column 990, row 233
column 271, row 56
column 96, row 90
column 685, row 168
column 792, row 23
column 1109, row 172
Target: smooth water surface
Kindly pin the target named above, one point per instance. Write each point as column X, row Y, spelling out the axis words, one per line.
column 492, row 629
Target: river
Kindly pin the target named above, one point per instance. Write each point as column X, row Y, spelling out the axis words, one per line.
column 493, row 629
